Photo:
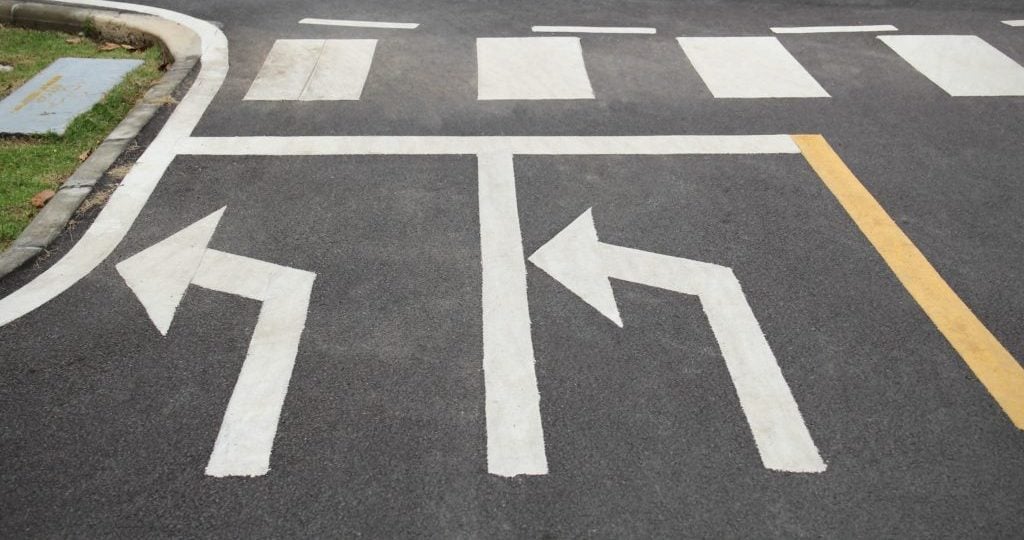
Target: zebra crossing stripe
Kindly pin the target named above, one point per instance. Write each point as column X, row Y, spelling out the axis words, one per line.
column 749, row 67
column 531, row 68
column 961, row 65
column 314, row 70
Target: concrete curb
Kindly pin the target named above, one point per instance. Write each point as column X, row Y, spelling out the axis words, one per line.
column 178, row 42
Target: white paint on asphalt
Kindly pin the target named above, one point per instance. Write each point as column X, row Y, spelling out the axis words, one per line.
column 577, row 259
column 522, row 145
column 246, row 436
column 596, row 29
column 360, row 24
column 961, row 65
column 124, row 205
column 314, row 70
column 749, row 67
column 531, row 68
column 834, row 29
column 1018, row 22
column 159, row 276
column 515, row 435
column 286, row 70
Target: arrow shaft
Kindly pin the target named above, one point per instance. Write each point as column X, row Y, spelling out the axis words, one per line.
column 778, row 428
column 246, row 435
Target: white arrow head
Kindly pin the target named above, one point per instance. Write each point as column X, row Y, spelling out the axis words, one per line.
column 160, row 274
column 572, row 257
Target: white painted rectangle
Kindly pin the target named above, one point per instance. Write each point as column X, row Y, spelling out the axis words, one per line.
column 596, row 29
column 286, row 70
column 531, row 68
column 833, row 29
column 1019, row 22
column 749, row 67
column 961, row 65
column 314, row 70
column 342, row 70
column 360, row 24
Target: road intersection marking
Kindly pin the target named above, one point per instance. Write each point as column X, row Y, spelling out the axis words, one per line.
column 961, row 65
column 583, row 264
column 518, row 451
column 159, row 277
column 531, row 68
column 314, row 70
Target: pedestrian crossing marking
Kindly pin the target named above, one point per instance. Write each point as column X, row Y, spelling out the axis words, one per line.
column 749, row 67
column 961, row 65
column 531, row 68
column 314, row 70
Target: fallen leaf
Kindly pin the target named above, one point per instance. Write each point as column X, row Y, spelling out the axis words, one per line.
column 128, row 47
column 40, row 199
column 84, row 155
column 73, row 40
column 108, row 46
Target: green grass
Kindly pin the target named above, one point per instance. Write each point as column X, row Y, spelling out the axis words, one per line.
column 29, row 165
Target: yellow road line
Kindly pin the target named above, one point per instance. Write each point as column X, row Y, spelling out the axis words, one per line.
column 987, row 358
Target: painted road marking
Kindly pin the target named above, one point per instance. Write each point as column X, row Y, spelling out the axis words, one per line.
column 1018, row 22
column 360, row 24
column 515, row 436
column 749, row 67
column 515, row 439
column 582, row 263
column 531, row 68
column 519, row 145
column 159, row 277
column 314, row 70
column 961, row 65
column 596, row 29
column 117, row 216
column 987, row 358
column 833, row 29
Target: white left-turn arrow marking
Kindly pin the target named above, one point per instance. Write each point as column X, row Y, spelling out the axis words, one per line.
column 159, row 276
column 579, row 261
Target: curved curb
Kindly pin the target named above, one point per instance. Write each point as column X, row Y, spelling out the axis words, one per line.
column 181, row 43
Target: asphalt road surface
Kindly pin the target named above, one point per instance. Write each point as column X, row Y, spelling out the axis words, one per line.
column 464, row 277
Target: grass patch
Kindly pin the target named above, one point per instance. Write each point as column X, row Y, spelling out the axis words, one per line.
column 29, row 165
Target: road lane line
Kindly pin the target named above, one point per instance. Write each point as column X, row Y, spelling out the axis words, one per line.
column 360, row 24
column 515, row 435
column 833, row 29
column 1019, row 22
column 520, row 145
column 596, row 29
column 531, row 68
column 749, row 67
column 120, row 212
column 961, row 65
column 987, row 358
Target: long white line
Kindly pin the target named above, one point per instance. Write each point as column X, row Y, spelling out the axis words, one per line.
column 1017, row 22
column 522, row 145
column 596, row 29
column 124, row 206
column 360, row 24
column 515, row 436
column 833, row 29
